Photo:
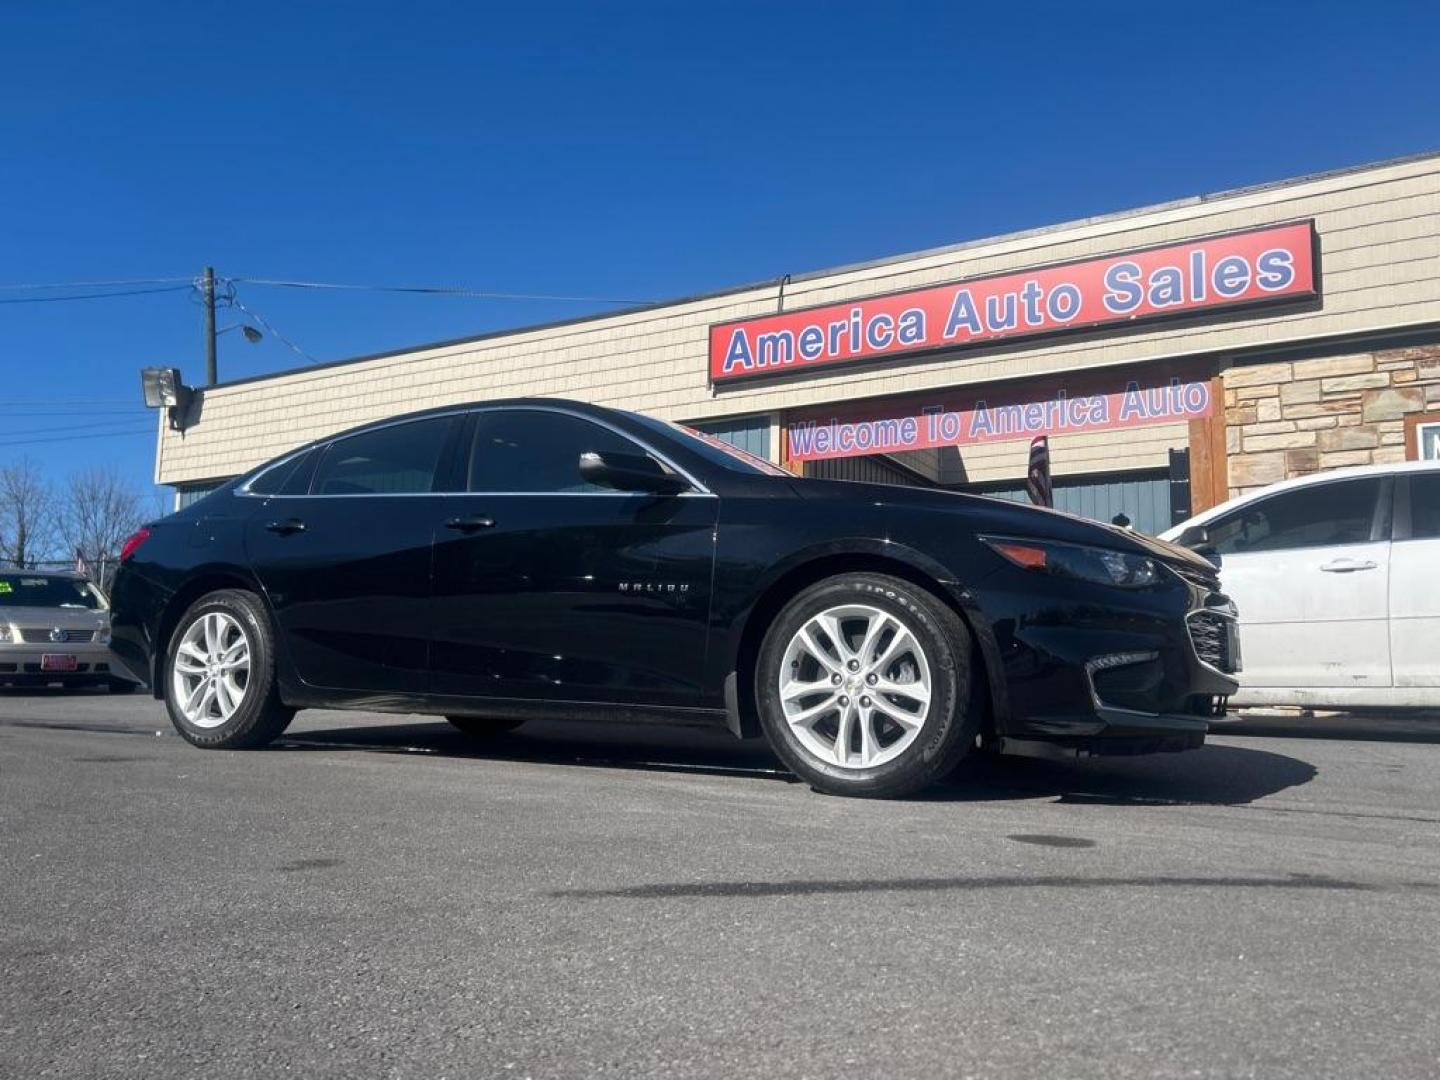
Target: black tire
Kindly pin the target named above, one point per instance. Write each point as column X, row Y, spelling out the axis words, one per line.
column 260, row 716
column 951, row 719
column 121, row 686
column 482, row 727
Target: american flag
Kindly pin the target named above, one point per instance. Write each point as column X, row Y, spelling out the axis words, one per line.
column 1037, row 481
column 82, row 565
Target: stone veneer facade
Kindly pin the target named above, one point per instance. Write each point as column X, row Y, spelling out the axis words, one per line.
column 1296, row 417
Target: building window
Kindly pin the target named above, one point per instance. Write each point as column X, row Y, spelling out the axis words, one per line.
column 748, row 433
column 1427, row 441
column 190, row 494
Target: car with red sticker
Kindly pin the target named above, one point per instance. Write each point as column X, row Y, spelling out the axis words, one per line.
column 55, row 629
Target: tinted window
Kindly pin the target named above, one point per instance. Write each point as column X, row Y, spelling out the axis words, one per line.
column 531, row 451
column 1425, row 505
column 278, row 479
column 23, row 590
column 1316, row 516
column 396, row 460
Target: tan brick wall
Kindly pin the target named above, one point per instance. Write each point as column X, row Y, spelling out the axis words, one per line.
column 1284, row 420
column 1380, row 262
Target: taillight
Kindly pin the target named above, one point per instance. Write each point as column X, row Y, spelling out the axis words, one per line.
column 133, row 544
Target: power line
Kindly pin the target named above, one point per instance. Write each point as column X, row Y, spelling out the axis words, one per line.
column 89, row 296
column 95, row 284
column 67, row 401
column 78, row 410
column 46, row 429
column 433, row 290
column 78, row 438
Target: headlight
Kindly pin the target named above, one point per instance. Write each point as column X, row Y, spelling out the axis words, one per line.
column 1100, row 565
column 102, row 636
column 5, row 637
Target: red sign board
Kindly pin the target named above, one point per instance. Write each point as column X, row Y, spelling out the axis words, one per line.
column 1259, row 266
column 926, row 422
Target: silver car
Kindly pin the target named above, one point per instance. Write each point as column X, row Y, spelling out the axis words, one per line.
column 55, row 628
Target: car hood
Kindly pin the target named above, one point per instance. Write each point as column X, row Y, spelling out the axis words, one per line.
column 64, row 618
column 985, row 514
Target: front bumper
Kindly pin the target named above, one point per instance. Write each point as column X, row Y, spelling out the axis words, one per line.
column 1099, row 671
column 23, row 665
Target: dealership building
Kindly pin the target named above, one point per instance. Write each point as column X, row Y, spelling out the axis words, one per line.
column 1173, row 355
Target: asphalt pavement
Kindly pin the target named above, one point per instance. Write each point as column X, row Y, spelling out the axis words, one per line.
column 378, row 896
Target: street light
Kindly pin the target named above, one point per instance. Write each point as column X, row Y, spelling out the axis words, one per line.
column 163, row 389
column 251, row 334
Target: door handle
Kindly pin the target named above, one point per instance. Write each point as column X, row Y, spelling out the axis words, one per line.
column 471, row 524
column 1347, row 565
column 285, row 528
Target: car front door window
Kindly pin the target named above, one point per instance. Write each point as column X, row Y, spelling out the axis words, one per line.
column 534, row 451
column 1308, row 569
column 1319, row 515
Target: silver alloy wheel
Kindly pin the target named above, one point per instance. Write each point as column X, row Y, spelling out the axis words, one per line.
column 855, row 686
column 211, row 670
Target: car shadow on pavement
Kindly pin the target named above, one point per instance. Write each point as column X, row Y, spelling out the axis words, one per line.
column 1214, row 775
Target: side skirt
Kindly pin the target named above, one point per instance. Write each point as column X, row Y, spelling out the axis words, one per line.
column 502, row 708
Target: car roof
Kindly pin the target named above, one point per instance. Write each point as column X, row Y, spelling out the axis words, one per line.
column 1308, row 480
column 68, row 575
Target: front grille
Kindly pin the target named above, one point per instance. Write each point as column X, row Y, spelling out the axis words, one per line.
column 40, row 635
column 1211, row 635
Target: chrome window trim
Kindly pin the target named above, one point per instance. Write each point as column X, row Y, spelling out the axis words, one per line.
column 701, row 490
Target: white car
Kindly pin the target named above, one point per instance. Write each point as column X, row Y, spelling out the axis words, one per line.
column 1337, row 578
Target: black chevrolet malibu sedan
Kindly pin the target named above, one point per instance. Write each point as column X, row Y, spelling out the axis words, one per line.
column 536, row 558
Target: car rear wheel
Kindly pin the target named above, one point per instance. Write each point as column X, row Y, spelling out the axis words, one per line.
column 482, row 727
column 220, row 674
column 863, row 686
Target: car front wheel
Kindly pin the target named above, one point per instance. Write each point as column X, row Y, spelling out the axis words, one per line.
column 220, row 674
column 863, row 686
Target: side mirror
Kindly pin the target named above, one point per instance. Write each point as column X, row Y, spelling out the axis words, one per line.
column 630, row 472
column 1194, row 537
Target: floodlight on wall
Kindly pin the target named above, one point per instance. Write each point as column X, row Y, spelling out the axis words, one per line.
column 164, row 390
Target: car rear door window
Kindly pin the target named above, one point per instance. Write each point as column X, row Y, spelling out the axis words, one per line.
column 400, row 459
column 281, row 479
column 1319, row 515
column 528, row 451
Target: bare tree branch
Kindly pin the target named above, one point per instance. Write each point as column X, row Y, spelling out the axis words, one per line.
column 101, row 509
column 28, row 515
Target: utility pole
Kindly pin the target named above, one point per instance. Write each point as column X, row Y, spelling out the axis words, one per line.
column 207, row 289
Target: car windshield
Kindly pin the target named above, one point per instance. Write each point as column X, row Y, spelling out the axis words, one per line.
column 33, row 590
column 713, row 449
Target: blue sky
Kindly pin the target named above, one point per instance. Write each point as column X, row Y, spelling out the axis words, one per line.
column 628, row 151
